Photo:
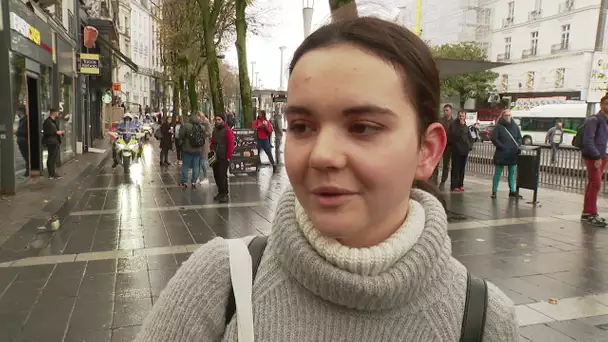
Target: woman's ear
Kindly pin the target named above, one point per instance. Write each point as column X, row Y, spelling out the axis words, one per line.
column 431, row 150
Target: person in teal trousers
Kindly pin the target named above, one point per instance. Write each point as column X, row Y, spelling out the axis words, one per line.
column 507, row 139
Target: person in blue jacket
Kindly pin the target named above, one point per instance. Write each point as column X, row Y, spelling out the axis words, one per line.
column 507, row 139
column 595, row 137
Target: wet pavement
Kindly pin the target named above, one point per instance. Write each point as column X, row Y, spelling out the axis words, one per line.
column 94, row 272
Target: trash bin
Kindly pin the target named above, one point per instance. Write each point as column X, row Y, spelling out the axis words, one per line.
column 528, row 170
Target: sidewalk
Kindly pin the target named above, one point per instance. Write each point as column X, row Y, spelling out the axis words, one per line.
column 41, row 203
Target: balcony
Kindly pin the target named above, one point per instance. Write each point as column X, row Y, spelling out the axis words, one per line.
column 528, row 53
column 534, row 15
column 566, row 6
column 503, row 57
column 557, row 48
column 506, row 22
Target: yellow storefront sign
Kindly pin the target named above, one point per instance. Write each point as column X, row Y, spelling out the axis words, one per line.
column 89, row 63
column 34, row 35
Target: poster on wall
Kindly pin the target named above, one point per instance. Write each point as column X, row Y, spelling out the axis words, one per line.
column 245, row 158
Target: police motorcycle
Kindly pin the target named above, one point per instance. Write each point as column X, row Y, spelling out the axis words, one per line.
column 146, row 128
column 127, row 145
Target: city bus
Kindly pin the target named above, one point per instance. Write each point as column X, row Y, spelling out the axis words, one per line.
column 536, row 122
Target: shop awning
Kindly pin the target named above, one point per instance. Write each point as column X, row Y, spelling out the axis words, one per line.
column 455, row 67
column 118, row 54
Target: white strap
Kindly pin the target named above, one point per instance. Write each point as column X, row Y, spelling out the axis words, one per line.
column 511, row 135
column 242, row 278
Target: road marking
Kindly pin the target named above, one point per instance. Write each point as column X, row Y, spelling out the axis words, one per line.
column 511, row 221
column 171, row 208
column 162, row 186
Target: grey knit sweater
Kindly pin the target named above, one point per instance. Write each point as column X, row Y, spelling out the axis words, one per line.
column 311, row 289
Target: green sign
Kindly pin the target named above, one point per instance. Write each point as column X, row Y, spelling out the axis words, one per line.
column 106, row 98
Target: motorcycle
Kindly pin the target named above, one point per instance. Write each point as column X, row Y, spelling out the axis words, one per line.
column 128, row 148
column 147, row 131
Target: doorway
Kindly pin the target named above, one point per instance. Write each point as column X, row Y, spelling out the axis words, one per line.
column 34, row 129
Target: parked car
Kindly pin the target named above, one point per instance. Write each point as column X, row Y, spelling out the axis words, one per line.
column 485, row 132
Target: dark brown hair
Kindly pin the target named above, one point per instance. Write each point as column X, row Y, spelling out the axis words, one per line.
column 394, row 44
column 398, row 46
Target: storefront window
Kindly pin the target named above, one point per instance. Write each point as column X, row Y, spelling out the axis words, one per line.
column 65, row 116
column 20, row 121
column 45, row 102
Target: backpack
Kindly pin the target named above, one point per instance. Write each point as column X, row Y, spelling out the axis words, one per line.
column 196, row 136
column 579, row 139
column 158, row 134
column 476, row 303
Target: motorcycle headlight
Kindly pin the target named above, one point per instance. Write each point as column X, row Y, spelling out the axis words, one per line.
column 133, row 146
column 120, row 145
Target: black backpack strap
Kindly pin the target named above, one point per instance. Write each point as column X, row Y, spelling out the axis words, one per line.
column 256, row 250
column 474, row 318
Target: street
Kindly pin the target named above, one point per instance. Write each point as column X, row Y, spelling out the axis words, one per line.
column 98, row 275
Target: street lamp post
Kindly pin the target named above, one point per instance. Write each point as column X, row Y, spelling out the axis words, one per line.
column 307, row 11
column 282, row 48
column 253, row 75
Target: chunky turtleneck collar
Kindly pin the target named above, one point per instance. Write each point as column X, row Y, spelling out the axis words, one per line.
column 365, row 261
column 392, row 274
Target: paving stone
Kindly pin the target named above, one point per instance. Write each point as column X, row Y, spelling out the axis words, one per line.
column 35, row 273
column 49, row 319
column 125, row 334
column 91, row 316
column 131, row 312
column 89, row 336
column 579, row 331
column 20, row 296
column 542, row 332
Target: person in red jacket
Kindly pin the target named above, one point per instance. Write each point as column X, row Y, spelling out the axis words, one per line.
column 263, row 127
column 222, row 144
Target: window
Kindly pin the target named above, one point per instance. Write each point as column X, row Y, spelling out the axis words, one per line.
column 565, row 43
column 530, row 75
column 545, row 124
column 560, row 77
column 534, row 43
column 504, row 82
column 71, row 23
column 511, row 10
column 508, row 48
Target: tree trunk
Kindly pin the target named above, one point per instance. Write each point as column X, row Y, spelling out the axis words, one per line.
column 213, row 66
column 241, row 49
column 175, row 98
column 343, row 10
column 192, row 94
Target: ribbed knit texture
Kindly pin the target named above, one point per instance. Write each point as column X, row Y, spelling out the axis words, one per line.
column 311, row 289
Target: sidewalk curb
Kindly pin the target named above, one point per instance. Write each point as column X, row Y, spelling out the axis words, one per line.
column 29, row 240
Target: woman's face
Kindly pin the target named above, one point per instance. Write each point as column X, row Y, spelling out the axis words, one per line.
column 352, row 148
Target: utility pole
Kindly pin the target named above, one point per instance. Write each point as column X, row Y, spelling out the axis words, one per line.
column 282, row 48
column 599, row 47
column 307, row 12
column 253, row 75
column 418, row 18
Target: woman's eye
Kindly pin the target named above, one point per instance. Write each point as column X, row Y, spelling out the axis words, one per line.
column 298, row 128
column 363, row 129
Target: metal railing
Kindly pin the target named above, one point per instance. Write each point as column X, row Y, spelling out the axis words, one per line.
column 555, row 48
column 567, row 172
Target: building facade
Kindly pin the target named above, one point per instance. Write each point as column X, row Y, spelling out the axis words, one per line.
column 549, row 46
column 139, row 40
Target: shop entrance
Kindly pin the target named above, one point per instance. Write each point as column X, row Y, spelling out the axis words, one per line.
column 34, row 125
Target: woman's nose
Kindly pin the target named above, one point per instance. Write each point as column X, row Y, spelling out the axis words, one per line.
column 329, row 151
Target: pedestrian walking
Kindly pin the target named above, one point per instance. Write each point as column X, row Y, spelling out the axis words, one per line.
column 192, row 140
column 446, row 121
column 355, row 252
column 263, row 129
column 507, row 139
column 277, row 124
column 166, row 141
column 222, row 145
column 206, row 149
column 462, row 142
column 555, row 137
column 594, row 151
column 52, row 140
column 179, row 122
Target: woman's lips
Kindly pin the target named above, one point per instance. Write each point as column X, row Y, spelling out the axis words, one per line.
column 333, row 200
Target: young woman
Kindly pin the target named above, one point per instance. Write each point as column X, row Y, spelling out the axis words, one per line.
column 462, row 142
column 179, row 123
column 166, row 142
column 355, row 253
column 507, row 139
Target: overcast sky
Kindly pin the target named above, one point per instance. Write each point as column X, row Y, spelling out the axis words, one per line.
column 288, row 30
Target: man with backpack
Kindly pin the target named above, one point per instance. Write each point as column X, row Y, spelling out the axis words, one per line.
column 192, row 139
column 593, row 145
